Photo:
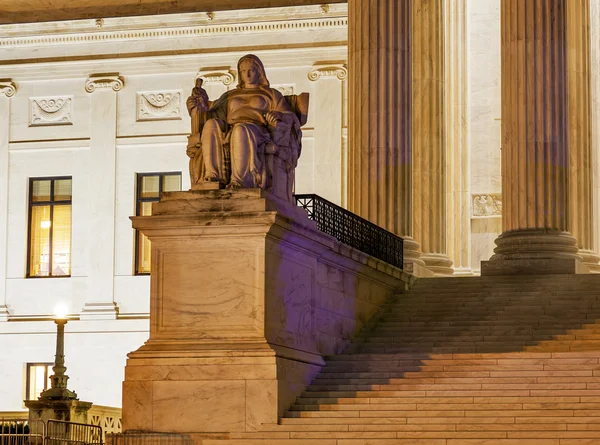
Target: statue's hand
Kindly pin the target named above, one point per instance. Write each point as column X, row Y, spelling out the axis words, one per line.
column 272, row 117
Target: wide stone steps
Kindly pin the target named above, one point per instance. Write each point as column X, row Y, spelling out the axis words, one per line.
column 467, row 361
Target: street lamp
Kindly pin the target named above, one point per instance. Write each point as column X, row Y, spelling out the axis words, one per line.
column 58, row 382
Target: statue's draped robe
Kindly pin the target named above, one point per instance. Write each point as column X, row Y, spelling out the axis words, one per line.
column 237, row 119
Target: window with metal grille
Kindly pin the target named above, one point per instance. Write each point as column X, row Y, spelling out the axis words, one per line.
column 149, row 188
column 49, row 240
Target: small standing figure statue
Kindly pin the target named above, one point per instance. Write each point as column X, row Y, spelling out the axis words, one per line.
column 197, row 106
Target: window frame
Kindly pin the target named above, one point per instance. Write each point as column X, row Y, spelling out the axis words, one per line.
column 51, row 203
column 138, row 207
column 47, row 374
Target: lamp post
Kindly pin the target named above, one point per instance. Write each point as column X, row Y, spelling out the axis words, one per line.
column 57, row 402
column 58, row 382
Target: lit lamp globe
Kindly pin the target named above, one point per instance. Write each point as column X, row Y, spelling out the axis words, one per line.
column 58, row 381
column 60, row 312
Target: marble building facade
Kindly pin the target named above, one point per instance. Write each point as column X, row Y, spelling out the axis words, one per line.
column 102, row 101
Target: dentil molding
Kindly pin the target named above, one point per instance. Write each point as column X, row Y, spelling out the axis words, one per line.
column 8, row 87
column 158, row 105
column 339, row 70
column 52, row 110
column 110, row 80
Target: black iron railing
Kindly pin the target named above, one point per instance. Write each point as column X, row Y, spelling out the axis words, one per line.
column 353, row 230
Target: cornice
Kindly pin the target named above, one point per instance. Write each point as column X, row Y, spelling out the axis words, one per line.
column 175, row 33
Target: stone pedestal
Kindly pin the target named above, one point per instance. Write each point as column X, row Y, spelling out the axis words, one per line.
column 246, row 298
column 68, row 410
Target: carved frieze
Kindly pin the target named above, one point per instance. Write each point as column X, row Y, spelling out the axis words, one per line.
column 55, row 110
column 158, row 105
column 111, row 80
column 319, row 71
column 8, row 88
column 485, row 206
column 223, row 75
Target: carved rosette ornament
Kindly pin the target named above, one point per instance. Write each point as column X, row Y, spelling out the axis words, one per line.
column 224, row 76
column 340, row 71
column 8, row 88
column 112, row 80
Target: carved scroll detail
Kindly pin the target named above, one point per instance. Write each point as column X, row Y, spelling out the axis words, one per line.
column 487, row 205
column 112, row 80
column 222, row 75
column 50, row 110
column 158, row 105
column 8, row 88
column 328, row 70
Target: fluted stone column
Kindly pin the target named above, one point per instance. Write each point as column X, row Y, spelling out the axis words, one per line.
column 428, row 138
column 581, row 191
column 535, row 158
column 379, row 123
column 7, row 90
column 458, row 194
column 595, row 121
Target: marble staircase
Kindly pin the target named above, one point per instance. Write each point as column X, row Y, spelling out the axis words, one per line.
column 460, row 361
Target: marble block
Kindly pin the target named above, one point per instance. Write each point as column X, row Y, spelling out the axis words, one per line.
column 247, row 296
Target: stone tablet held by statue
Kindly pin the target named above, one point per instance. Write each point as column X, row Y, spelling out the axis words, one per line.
column 250, row 137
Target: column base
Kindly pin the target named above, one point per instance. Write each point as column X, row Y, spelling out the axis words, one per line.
column 590, row 259
column 537, row 266
column 438, row 263
column 413, row 264
column 534, row 251
column 99, row 311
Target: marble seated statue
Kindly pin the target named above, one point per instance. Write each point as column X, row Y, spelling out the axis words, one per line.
column 250, row 137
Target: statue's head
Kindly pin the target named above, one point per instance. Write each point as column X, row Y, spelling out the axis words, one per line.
column 255, row 62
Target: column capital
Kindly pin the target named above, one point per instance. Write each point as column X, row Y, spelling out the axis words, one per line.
column 108, row 80
column 332, row 69
column 224, row 75
column 8, row 87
